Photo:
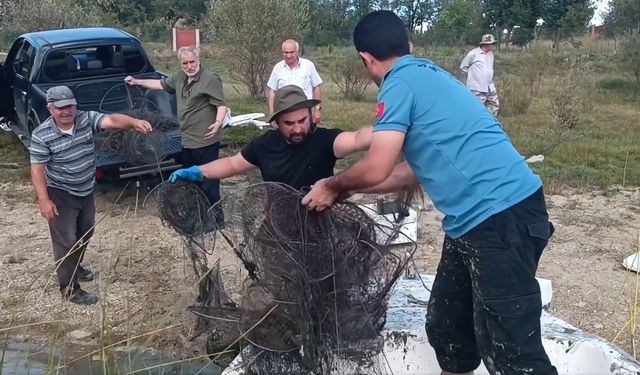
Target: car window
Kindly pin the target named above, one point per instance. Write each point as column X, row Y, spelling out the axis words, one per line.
column 93, row 61
column 26, row 57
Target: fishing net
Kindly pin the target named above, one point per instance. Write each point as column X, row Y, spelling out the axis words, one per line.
column 133, row 147
column 136, row 148
column 311, row 289
column 183, row 206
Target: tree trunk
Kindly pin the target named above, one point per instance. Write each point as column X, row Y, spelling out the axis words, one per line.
column 556, row 42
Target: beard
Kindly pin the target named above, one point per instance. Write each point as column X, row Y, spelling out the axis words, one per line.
column 297, row 138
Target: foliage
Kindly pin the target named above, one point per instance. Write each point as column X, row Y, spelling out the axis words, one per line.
column 507, row 14
column 20, row 16
column 144, row 12
column 570, row 97
column 623, row 16
column 567, row 18
column 351, row 77
column 630, row 58
column 252, row 32
column 515, row 96
column 415, row 12
column 460, row 22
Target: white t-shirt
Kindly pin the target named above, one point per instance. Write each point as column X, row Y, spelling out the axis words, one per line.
column 67, row 131
column 303, row 75
column 479, row 68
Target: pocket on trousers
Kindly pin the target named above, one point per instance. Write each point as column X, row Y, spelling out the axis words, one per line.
column 542, row 230
column 513, row 307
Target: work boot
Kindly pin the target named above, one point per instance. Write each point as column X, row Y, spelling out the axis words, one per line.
column 84, row 275
column 79, row 296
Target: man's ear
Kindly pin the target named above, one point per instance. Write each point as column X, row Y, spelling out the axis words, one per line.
column 49, row 108
column 366, row 57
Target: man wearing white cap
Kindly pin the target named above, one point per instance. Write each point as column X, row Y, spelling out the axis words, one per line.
column 63, row 175
column 478, row 65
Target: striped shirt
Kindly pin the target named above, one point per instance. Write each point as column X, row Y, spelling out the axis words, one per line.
column 69, row 158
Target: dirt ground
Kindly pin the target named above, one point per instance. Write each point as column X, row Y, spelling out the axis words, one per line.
column 145, row 284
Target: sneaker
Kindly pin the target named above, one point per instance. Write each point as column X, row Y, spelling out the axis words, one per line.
column 84, row 275
column 79, row 296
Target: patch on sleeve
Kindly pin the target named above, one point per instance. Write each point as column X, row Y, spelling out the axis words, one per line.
column 380, row 110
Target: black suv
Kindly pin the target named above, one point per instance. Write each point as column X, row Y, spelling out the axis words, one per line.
column 93, row 63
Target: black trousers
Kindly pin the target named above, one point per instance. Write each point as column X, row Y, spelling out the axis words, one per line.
column 70, row 232
column 204, row 155
column 485, row 302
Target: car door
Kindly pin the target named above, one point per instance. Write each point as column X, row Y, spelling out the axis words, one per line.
column 7, row 79
column 23, row 66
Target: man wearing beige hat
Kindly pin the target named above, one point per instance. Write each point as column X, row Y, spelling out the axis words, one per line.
column 63, row 170
column 478, row 65
column 297, row 153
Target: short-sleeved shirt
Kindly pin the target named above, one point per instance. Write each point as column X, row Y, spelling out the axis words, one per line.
column 69, row 159
column 197, row 104
column 454, row 145
column 297, row 165
column 303, row 75
column 479, row 68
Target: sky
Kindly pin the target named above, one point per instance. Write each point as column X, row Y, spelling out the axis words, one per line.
column 601, row 6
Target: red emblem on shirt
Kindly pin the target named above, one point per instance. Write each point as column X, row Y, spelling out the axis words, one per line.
column 380, row 110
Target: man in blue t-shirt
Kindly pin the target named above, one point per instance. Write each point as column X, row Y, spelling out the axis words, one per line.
column 485, row 302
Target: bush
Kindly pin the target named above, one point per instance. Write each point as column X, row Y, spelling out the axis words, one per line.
column 21, row 16
column 252, row 32
column 571, row 95
column 630, row 58
column 351, row 77
column 515, row 95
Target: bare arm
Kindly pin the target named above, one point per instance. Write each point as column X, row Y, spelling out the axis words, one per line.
column 370, row 171
column 271, row 97
column 401, row 178
column 317, row 92
column 349, row 142
column 118, row 121
column 153, row 84
column 217, row 124
column 226, row 167
column 375, row 167
column 48, row 209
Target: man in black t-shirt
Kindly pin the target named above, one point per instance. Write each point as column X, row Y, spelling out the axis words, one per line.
column 297, row 154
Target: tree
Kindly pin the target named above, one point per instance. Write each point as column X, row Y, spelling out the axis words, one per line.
column 22, row 16
column 513, row 15
column 415, row 12
column 460, row 22
column 252, row 32
column 623, row 16
column 360, row 8
column 630, row 58
column 329, row 20
column 566, row 18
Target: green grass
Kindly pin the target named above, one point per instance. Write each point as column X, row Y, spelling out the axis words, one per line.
column 602, row 151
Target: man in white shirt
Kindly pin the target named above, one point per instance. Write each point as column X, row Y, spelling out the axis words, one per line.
column 295, row 70
column 478, row 65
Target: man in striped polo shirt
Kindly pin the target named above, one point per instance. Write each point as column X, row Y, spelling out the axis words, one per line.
column 63, row 174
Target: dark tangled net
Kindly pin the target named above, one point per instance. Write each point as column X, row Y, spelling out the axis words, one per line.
column 316, row 289
column 133, row 147
column 183, row 206
column 136, row 148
